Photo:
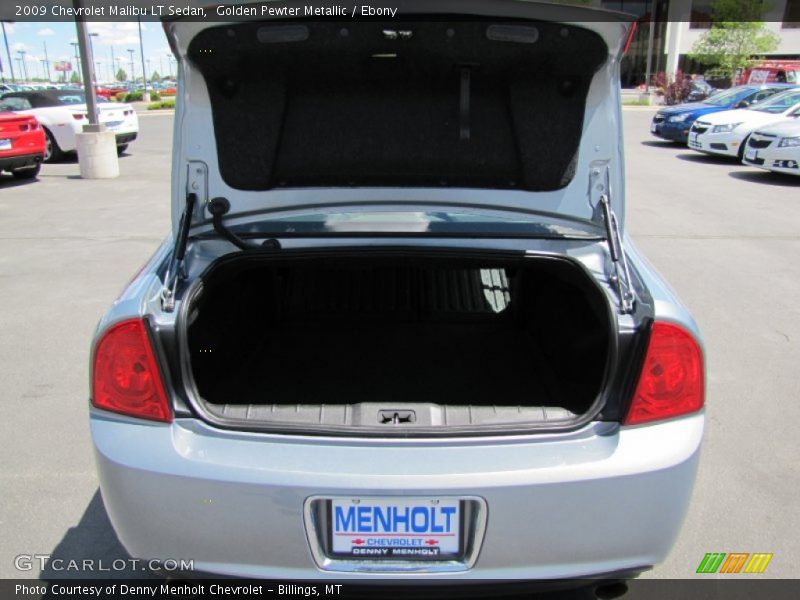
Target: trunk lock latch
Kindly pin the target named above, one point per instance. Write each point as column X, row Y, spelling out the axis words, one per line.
column 396, row 417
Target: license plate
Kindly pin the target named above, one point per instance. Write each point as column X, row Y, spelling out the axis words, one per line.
column 751, row 154
column 113, row 124
column 5, row 144
column 693, row 138
column 652, row 127
column 418, row 529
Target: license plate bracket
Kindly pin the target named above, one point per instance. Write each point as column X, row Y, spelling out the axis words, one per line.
column 456, row 552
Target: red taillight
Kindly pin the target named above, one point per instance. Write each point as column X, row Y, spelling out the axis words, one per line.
column 125, row 377
column 671, row 382
column 78, row 116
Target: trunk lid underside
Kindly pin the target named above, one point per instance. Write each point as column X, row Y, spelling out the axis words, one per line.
column 285, row 113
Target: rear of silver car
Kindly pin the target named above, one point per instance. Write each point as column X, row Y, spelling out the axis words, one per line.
column 474, row 377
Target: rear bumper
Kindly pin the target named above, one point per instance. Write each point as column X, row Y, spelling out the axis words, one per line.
column 9, row 163
column 600, row 500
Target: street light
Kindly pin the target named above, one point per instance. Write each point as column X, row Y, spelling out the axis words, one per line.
column 145, row 93
column 130, row 51
column 8, row 52
column 77, row 59
column 46, row 61
column 91, row 47
column 22, row 54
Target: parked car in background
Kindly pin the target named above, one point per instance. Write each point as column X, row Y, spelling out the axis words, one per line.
column 773, row 71
column 673, row 122
column 63, row 113
column 700, row 90
column 724, row 133
column 110, row 91
column 776, row 147
column 385, row 343
column 22, row 144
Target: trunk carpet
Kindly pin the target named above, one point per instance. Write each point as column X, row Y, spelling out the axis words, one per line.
column 453, row 363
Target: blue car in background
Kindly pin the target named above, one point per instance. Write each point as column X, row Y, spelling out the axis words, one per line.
column 673, row 122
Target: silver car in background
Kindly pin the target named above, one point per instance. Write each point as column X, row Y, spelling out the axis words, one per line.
column 398, row 329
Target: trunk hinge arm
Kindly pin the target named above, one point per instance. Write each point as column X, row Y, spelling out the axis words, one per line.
column 621, row 277
column 176, row 269
column 600, row 200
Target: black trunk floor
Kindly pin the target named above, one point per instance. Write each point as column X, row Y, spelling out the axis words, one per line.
column 444, row 363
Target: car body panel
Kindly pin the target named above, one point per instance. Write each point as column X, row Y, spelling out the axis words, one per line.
column 641, row 476
column 22, row 141
column 767, row 150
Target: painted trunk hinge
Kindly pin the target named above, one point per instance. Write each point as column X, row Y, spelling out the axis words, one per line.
column 620, row 277
column 176, row 270
column 196, row 194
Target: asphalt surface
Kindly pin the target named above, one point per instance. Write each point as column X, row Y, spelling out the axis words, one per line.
column 725, row 236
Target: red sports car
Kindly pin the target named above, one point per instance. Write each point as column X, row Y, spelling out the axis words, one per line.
column 109, row 91
column 22, row 145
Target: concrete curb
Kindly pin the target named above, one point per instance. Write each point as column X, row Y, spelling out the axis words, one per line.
column 155, row 113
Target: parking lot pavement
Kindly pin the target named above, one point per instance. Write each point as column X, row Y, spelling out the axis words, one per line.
column 726, row 236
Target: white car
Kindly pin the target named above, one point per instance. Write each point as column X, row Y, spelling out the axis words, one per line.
column 63, row 113
column 725, row 132
column 777, row 147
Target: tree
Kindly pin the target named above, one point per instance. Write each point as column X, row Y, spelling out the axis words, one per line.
column 737, row 35
column 154, row 76
column 74, row 78
column 121, row 75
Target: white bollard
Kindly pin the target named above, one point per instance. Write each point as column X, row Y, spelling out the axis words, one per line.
column 97, row 154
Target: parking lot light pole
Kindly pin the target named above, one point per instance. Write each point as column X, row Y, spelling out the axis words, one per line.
column 23, row 65
column 8, row 52
column 77, row 59
column 97, row 148
column 46, row 60
column 145, row 93
column 133, row 77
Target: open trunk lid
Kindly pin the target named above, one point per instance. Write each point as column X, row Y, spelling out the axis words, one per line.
column 504, row 104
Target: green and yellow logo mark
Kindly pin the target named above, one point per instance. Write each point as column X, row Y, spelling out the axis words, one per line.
column 734, row 562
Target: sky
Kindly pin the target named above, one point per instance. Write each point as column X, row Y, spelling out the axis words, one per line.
column 32, row 38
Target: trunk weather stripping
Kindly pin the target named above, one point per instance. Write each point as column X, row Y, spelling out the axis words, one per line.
column 175, row 269
column 599, row 192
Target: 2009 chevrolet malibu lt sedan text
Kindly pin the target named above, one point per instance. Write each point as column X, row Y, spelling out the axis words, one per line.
column 398, row 329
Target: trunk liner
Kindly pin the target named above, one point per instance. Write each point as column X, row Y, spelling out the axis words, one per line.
column 322, row 338
column 404, row 363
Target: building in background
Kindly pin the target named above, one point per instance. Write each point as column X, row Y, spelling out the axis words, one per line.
column 679, row 23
